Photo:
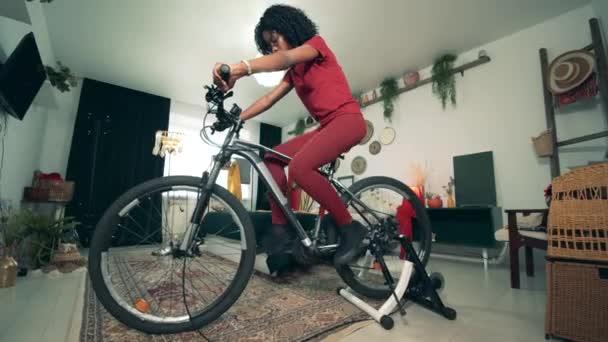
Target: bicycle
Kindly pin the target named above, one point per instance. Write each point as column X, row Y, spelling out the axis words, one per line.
column 179, row 219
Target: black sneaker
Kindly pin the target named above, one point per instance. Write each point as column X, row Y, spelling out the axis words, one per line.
column 351, row 237
column 280, row 264
column 276, row 244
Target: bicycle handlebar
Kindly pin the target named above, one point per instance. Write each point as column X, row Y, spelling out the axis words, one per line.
column 216, row 96
column 225, row 72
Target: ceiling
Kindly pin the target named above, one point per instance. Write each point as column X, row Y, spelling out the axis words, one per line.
column 168, row 48
column 15, row 9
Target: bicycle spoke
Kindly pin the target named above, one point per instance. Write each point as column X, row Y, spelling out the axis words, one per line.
column 146, row 270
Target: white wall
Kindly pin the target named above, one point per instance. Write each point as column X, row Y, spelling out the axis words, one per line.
column 499, row 108
column 22, row 151
column 42, row 140
column 196, row 156
column 601, row 11
column 22, row 139
column 57, row 140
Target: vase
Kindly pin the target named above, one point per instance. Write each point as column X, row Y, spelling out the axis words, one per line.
column 8, row 272
column 451, row 203
column 434, row 203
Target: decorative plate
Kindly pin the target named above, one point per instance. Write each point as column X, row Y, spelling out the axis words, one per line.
column 358, row 165
column 370, row 132
column 387, row 136
column 375, row 147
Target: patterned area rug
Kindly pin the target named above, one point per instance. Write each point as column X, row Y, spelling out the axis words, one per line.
column 302, row 307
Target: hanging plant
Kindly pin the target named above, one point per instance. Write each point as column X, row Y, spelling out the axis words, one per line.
column 389, row 90
column 444, row 84
column 357, row 96
column 300, row 128
column 62, row 79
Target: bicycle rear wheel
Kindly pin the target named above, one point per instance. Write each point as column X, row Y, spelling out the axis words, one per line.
column 145, row 281
column 384, row 196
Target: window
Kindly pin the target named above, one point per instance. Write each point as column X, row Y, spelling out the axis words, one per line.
column 196, row 155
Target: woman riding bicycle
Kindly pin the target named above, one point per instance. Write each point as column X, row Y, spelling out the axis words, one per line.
column 289, row 40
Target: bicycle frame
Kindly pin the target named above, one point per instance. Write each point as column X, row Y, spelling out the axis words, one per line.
column 250, row 151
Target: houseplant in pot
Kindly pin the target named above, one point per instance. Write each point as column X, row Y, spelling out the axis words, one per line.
column 11, row 234
column 41, row 235
column 449, row 190
column 389, row 89
column 433, row 200
column 444, row 83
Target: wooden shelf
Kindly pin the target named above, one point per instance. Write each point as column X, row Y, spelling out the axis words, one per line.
column 597, row 45
column 461, row 69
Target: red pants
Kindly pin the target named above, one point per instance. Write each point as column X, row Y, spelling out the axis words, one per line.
column 309, row 152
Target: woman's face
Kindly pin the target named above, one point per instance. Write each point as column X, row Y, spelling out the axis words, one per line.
column 276, row 41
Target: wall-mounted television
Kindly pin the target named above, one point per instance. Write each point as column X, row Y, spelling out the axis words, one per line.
column 21, row 77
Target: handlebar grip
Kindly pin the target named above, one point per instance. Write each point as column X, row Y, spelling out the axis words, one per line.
column 225, row 72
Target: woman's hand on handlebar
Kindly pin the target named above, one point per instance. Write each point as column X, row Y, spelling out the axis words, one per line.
column 236, row 71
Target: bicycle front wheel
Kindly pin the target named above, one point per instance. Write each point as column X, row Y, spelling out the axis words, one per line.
column 144, row 280
column 383, row 196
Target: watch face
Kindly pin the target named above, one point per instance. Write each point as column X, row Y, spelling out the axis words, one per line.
column 358, row 165
column 374, row 148
column 370, row 132
column 387, row 136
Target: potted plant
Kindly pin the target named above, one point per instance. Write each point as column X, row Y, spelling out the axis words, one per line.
column 62, row 78
column 43, row 234
column 449, row 190
column 389, row 90
column 299, row 128
column 10, row 234
column 444, row 83
column 433, row 200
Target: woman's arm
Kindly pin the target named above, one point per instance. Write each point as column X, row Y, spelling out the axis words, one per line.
column 280, row 60
column 267, row 101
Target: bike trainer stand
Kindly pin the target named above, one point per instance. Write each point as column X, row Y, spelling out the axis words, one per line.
column 423, row 290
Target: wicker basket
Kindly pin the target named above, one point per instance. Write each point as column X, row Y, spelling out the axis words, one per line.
column 35, row 194
column 578, row 217
column 61, row 191
column 577, row 301
column 543, row 144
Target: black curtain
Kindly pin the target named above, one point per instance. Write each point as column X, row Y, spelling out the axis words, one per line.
column 112, row 148
column 270, row 136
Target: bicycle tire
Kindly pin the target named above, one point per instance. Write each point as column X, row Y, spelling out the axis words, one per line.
column 347, row 274
column 103, row 235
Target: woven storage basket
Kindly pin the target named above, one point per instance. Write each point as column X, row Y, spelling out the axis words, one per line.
column 543, row 144
column 35, row 194
column 577, row 301
column 578, row 217
column 61, row 191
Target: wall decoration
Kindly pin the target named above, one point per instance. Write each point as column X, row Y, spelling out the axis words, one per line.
column 414, row 80
column 387, row 136
column 444, row 83
column 375, row 147
column 370, row 132
column 449, row 190
column 358, row 165
column 411, row 78
column 389, row 90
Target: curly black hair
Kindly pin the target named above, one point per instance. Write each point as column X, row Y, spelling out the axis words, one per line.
column 289, row 21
